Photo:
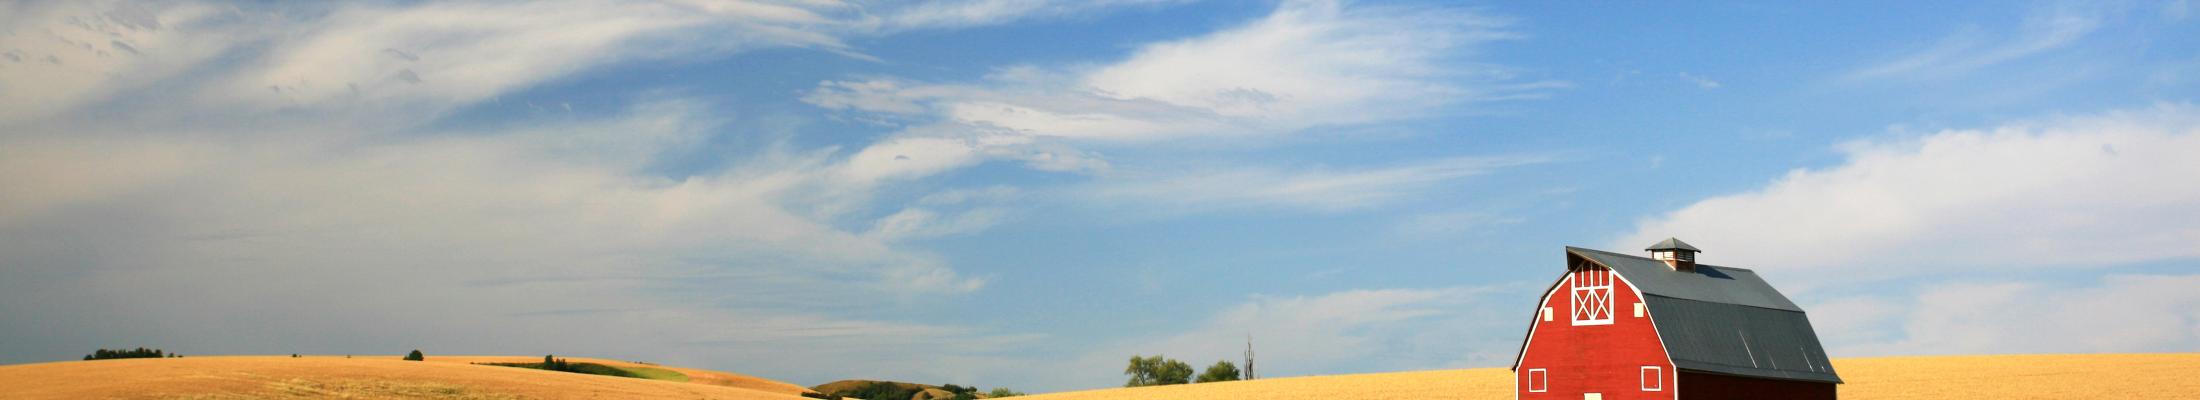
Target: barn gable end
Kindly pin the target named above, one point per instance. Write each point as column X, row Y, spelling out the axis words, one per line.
column 1571, row 354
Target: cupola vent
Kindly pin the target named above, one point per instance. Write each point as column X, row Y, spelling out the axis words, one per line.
column 1676, row 254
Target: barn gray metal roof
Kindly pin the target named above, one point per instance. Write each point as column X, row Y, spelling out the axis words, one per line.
column 1722, row 320
column 1709, row 282
column 1673, row 244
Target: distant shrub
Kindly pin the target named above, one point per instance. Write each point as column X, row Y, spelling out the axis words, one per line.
column 1004, row 392
column 879, row 391
column 141, row 352
column 961, row 392
column 816, row 395
column 553, row 363
column 1157, row 370
column 416, row 356
column 1221, row 371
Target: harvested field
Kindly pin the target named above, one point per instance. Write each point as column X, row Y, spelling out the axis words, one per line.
column 2094, row 376
column 2088, row 376
column 282, row 377
column 706, row 377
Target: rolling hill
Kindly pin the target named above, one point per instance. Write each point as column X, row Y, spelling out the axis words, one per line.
column 282, row 377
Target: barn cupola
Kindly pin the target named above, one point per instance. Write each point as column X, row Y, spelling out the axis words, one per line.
column 1676, row 254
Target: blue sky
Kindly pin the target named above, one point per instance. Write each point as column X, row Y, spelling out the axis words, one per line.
column 1026, row 193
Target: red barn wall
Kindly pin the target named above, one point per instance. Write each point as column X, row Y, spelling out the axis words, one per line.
column 1606, row 359
column 1699, row 386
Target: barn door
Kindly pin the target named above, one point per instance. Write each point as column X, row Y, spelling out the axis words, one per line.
column 1592, row 295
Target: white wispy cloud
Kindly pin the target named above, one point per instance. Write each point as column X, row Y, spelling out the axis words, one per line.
column 2148, row 313
column 1701, row 82
column 2092, row 190
column 1309, row 63
column 969, row 13
column 913, row 223
column 368, row 59
column 62, row 55
column 1306, row 65
column 1972, row 48
column 1317, row 188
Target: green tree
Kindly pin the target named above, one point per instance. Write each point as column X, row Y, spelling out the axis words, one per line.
column 1157, row 370
column 1142, row 370
column 1004, row 392
column 141, row 352
column 1175, row 372
column 961, row 392
column 551, row 362
column 879, row 390
column 416, row 356
column 1221, row 371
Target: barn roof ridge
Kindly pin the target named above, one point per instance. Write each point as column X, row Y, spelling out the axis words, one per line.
column 1672, row 243
column 1713, row 283
column 1710, row 319
column 1579, row 248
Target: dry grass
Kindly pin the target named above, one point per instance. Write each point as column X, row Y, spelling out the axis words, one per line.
column 2090, row 376
column 354, row 389
column 706, row 377
column 2096, row 376
column 282, row 377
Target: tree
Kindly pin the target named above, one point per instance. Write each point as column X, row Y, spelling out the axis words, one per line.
column 879, row 390
column 1004, row 392
column 1157, row 370
column 961, row 392
column 1221, row 371
column 1175, row 372
column 416, row 356
column 1142, row 371
column 141, row 352
column 551, row 362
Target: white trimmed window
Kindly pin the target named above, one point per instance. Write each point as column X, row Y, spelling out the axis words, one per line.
column 1538, row 380
column 1653, row 378
column 1592, row 296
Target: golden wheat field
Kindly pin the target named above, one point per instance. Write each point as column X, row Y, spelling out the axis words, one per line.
column 700, row 376
column 2092, row 376
column 2096, row 376
column 282, row 377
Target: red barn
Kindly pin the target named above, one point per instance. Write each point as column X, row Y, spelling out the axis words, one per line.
column 1664, row 327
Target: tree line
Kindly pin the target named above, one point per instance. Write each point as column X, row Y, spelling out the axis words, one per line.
column 1158, row 370
column 141, row 352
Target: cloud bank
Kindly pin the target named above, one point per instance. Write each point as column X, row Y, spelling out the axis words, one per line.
column 2084, row 191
